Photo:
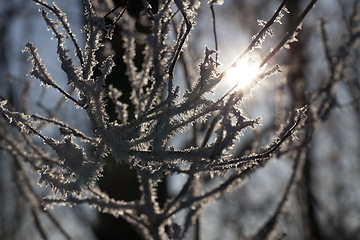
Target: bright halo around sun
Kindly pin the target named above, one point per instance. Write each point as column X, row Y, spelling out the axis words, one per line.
column 242, row 75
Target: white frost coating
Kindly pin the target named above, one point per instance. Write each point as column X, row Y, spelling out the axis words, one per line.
column 215, row 2
column 156, row 111
column 71, row 154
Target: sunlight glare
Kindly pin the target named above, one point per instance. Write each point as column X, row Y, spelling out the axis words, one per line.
column 243, row 74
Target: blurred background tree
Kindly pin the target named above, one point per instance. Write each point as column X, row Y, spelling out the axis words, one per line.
column 326, row 202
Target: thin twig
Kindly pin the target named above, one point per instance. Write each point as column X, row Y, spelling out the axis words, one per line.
column 54, row 10
column 215, row 35
column 55, row 122
column 210, row 129
column 45, row 5
column 248, row 49
column 289, row 33
column 178, row 51
column 269, row 226
column 256, row 39
column 122, row 13
column 116, row 7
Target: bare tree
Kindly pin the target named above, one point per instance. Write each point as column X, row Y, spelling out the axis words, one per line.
column 156, row 110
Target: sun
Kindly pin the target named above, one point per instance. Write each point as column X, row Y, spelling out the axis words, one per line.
column 243, row 75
